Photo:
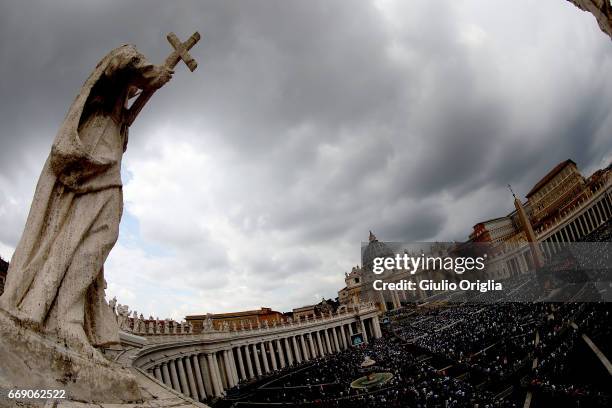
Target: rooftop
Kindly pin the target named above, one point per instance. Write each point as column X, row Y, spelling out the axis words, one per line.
column 262, row 311
column 549, row 176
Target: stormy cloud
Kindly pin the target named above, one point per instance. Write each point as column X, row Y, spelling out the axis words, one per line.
column 252, row 181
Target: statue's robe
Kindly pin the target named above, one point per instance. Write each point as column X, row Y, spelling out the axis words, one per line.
column 55, row 279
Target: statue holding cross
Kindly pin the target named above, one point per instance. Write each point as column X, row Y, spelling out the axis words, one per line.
column 55, row 281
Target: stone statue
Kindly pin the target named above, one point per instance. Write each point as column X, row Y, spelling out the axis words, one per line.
column 56, row 276
column 208, row 323
column 55, row 287
column 55, row 281
column 136, row 321
column 123, row 312
column 113, row 304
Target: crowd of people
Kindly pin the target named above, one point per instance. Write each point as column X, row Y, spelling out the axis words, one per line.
column 416, row 382
column 462, row 355
column 475, row 354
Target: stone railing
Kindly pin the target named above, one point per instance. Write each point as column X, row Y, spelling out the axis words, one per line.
column 361, row 309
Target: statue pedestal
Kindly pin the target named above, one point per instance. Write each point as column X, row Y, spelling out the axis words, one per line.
column 30, row 360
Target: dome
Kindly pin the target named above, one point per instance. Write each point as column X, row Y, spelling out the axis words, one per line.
column 374, row 249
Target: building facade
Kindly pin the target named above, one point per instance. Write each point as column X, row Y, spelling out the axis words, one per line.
column 557, row 190
column 562, row 207
column 495, row 230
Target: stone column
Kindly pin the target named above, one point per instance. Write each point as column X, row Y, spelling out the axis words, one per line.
column 193, row 390
column 214, row 376
column 173, row 376
column 335, row 337
column 571, row 232
column 339, row 337
column 234, row 368
column 382, row 300
column 228, row 369
column 206, row 375
column 296, row 350
column 327, row 342
column 591, row 219
column 313, row 353
column 579, row 227
column 198, row 377
column 565, row 235
column 376, row 324
column 600, row 211
column 157, row 374
column 272, row 356
column 247, row 356
column 256, row 359
column 240, row 362
column 597, row 212
column 343, row 336
column 304, row 350
column 607, row 205
column 347, row 336
column 264, row 357
column 363, row 330
column 183, row 377
column 281, row 355
column 395, row 298
column 320, row 344
column 222, row 370
column 166, row 375
column 587, row 227
column 288, row 349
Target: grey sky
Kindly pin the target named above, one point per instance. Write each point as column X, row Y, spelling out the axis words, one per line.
column 252, row 181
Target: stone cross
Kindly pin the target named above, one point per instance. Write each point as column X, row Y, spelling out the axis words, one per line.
column 180, row 53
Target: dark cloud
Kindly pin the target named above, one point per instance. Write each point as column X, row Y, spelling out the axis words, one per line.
column 307, row 124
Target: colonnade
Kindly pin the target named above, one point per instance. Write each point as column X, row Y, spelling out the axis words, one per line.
column 397, row 297
column 207, row 371
column 572, row 229
column 586, row 222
